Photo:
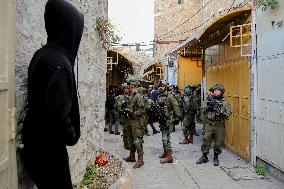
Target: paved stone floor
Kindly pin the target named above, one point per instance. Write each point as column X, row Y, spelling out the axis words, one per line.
column 184, row 173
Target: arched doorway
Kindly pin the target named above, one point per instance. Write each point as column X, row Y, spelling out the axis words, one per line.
column 118, row 69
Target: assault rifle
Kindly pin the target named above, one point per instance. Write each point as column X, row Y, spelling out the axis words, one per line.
column 215, row 105
column 161, row 114
column 125, row 110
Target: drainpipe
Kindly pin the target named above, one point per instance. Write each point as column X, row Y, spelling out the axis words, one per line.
column 253, row 89
column 166, row 70
column 203, row 88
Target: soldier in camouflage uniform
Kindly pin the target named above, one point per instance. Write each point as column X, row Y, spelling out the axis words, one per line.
column 197, row 98
column 121, row 107
column 136, row 125
column 217, row 110
column 174, row 90
column 189, row 109
column 169, row 107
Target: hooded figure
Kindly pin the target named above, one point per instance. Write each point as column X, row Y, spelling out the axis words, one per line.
column 53, row 119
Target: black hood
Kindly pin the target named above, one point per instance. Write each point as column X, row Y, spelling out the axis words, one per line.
column 64, row 26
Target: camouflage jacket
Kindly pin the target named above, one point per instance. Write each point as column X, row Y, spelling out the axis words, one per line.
column 189, row 105
column 137, row 105
column 121, row 102
column 171, row 106
column 221, row 111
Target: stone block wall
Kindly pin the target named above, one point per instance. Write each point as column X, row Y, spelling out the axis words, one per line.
column 174, row 22
column 168, row 18
column 31, row 36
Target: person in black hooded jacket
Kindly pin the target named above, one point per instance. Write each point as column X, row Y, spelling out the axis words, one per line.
column 53, row 120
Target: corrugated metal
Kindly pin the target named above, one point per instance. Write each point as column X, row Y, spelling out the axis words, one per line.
column 8, row 174
column 188, row 72
column 270, row 86
column 232, row 70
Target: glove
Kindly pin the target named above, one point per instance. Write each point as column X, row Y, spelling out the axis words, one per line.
column 210, row 108
column 176, row 122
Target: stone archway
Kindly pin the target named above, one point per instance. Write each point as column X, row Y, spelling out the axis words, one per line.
column 118, row 70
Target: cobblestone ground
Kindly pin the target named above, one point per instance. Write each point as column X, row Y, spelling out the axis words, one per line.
column 184, row 173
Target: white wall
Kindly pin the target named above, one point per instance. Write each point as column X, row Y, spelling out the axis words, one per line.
column 268, row 69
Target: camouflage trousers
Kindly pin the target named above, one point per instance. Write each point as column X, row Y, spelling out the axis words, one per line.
column 125, row 130
column 135, row 132
column 113, row 119
column 213, row 132
column 166, row 136
column 188, row 125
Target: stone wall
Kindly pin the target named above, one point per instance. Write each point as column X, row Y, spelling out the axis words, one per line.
column 140, row 60
column 31, row 36
column 168, row 17
column 174, row 22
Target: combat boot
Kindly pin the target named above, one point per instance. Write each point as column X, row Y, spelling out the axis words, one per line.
column 125, row 144
column 131, row 157
column 216, row 160
column 185, row 140
column 163, row 155
column 155, row 131
column 203, row 159
column 147, row 133
column 168, row 158
column 190, row 140
column 140, row 162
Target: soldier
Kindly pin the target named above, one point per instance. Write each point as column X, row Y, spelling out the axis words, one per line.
column 136, row 125
column 169, row 114
column 120, row 106
column 189, row 109
column 197, row 98
column 113, row 114
column 217, row 110
column 204, row 113
column 148, row 107
column 175, row 92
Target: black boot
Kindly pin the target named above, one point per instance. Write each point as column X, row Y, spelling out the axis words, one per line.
column 174, row 128
column 155, row 131
column 203, row 159
column 216, row 160
column 147, row 132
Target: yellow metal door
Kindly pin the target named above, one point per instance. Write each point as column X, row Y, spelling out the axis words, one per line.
column 188, row 72
column 235, row 76
column 8, row 174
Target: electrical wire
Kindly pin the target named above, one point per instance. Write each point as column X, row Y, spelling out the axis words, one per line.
column 186, row 20
column 229, row 9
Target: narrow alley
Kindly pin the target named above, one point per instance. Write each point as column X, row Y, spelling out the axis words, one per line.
column 184, row 173
column 75, row 75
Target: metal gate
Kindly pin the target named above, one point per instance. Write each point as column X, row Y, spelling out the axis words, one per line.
column 232, row 70
column 270, row 86
column 8, row 174
column 189, row 72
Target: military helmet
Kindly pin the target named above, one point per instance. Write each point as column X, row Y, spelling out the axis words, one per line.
column 141, row 89
column 187, row 86
column 162, row 84
column 133, row 82
column 124, row 85
column 187, row 91
column 219, row 87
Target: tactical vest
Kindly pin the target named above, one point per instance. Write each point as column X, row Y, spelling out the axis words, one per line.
column 214, row 115
column 148, row 103
column 162, row 102
column 188, row 104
